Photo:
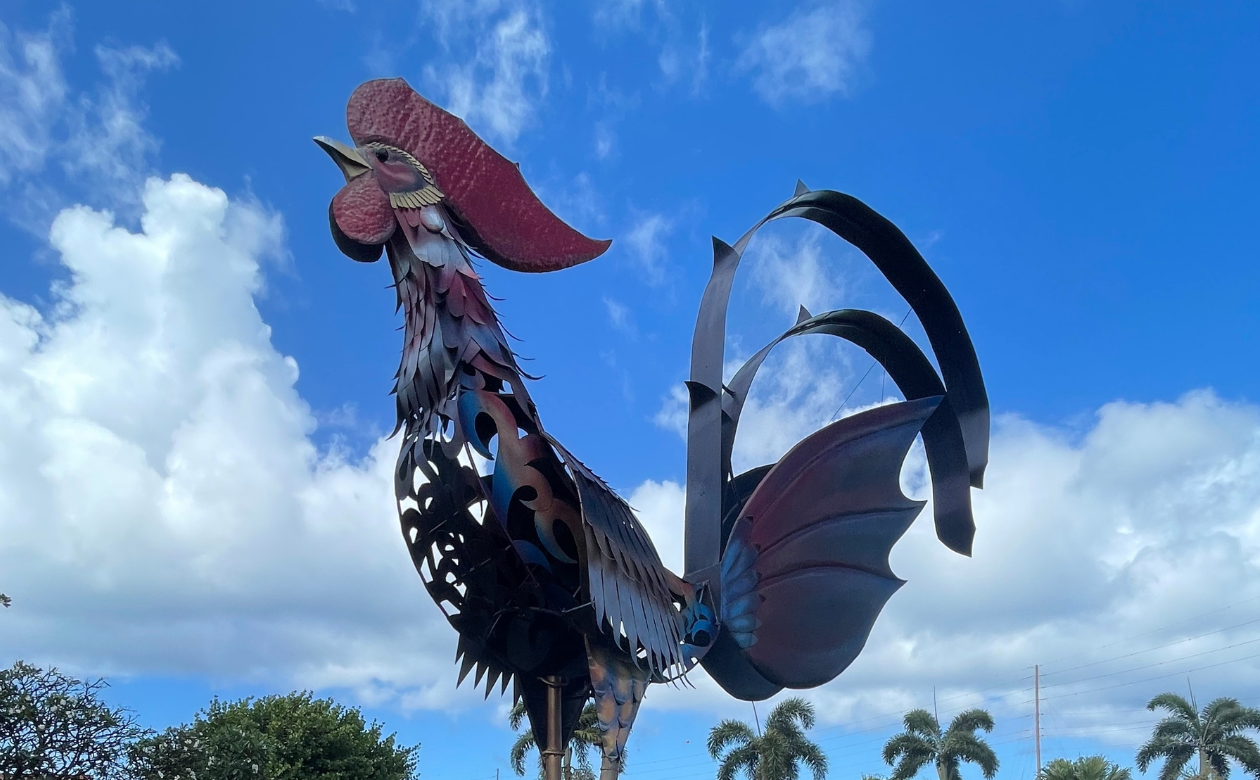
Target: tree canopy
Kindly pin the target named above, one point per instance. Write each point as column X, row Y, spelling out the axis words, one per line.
column 54, row 725
column 923, row 742
column 1086, row 768
column 776, row 753
column 1213, row 735
column 292, row 737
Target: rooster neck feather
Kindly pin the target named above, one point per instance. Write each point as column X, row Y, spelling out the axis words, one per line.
column 451, row 334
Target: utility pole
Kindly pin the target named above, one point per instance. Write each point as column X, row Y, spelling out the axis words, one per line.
column 1037, row 714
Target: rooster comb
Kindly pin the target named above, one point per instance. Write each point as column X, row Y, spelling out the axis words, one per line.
column 498, row 214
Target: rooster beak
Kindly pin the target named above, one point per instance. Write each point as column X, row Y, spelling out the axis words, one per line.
column 348, row 160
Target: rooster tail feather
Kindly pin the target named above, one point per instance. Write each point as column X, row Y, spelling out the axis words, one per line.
column 804, row 572
column 956, row 436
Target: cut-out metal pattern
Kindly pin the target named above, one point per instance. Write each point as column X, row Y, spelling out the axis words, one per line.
column 550, row 580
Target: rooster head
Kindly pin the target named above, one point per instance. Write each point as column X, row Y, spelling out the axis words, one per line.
column 411, row 156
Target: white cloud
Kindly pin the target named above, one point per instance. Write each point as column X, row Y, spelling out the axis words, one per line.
column 109, row 139
column 620, row 316
column 1090, row 547
column 815, row 53
column 32, row 94
column 647, row 247
column 604, row 141
column 95, row 138
column 682, row 60
column 163, row 510
column 793, row 274
column 659, row 506
column 500, row 85
column 162, row 506
column 577, row 201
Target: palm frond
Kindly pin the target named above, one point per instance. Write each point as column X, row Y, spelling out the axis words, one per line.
column 520, row 749
column 517, row 716
column 1059, row 769
column 812, row 756
column 790, row 711
column 1174, row 727
column 910, row 764
column 1117, row 772
column 1176, row 705
column 973, row 750
column 923, row 723
column 777, row 757
column 1242, row 749
column 1175, row 761
column 729, row 732
column 744, row 759
column 971, row 720
column 907, row 744
column 1158, row 747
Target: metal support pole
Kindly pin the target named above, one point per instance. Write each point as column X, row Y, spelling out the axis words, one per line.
column 554, row 751
column 1037, row 713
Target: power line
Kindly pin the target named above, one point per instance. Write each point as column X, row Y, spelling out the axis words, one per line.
column 1158, row 677
column 1152, row 649
column 1157, row 663
column 1155, row 630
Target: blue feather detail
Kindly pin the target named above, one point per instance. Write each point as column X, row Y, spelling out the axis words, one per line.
column 531, row 554
column 739, row 583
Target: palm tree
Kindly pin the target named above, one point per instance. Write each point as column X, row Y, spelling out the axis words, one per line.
column 924, row 743
column 775, row 754
column 1214, row 736
column 1088, row 768
column 586, row 736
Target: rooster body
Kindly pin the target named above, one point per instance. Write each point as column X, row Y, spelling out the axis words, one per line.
column 523, row 560
column 549, row 579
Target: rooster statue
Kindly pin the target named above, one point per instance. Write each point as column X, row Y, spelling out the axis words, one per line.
column 546, row 574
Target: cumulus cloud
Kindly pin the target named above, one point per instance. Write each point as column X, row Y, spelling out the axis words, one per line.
column 813, row 54
column 1120, row 555
column 163, row 510
column 1106, row 555
column 162, row 506
column 499, row 86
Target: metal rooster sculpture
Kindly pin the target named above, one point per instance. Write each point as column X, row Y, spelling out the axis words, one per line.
column 546, row 574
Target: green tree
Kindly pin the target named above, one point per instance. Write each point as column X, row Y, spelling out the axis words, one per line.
column 52, row 725
column 1087, row 768
column 924, row 743
column 1214, row 736
column 586, row 736
column 775, row 754
column 293, row 737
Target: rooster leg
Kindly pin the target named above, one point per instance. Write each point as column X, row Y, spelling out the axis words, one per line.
column 618, row 686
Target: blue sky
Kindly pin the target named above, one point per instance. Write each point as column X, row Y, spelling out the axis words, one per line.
column 193, row 485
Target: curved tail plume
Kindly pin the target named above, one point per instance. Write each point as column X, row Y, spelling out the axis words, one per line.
column 780, row 546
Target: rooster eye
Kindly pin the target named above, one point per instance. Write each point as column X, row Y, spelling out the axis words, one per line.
column 382, row 155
